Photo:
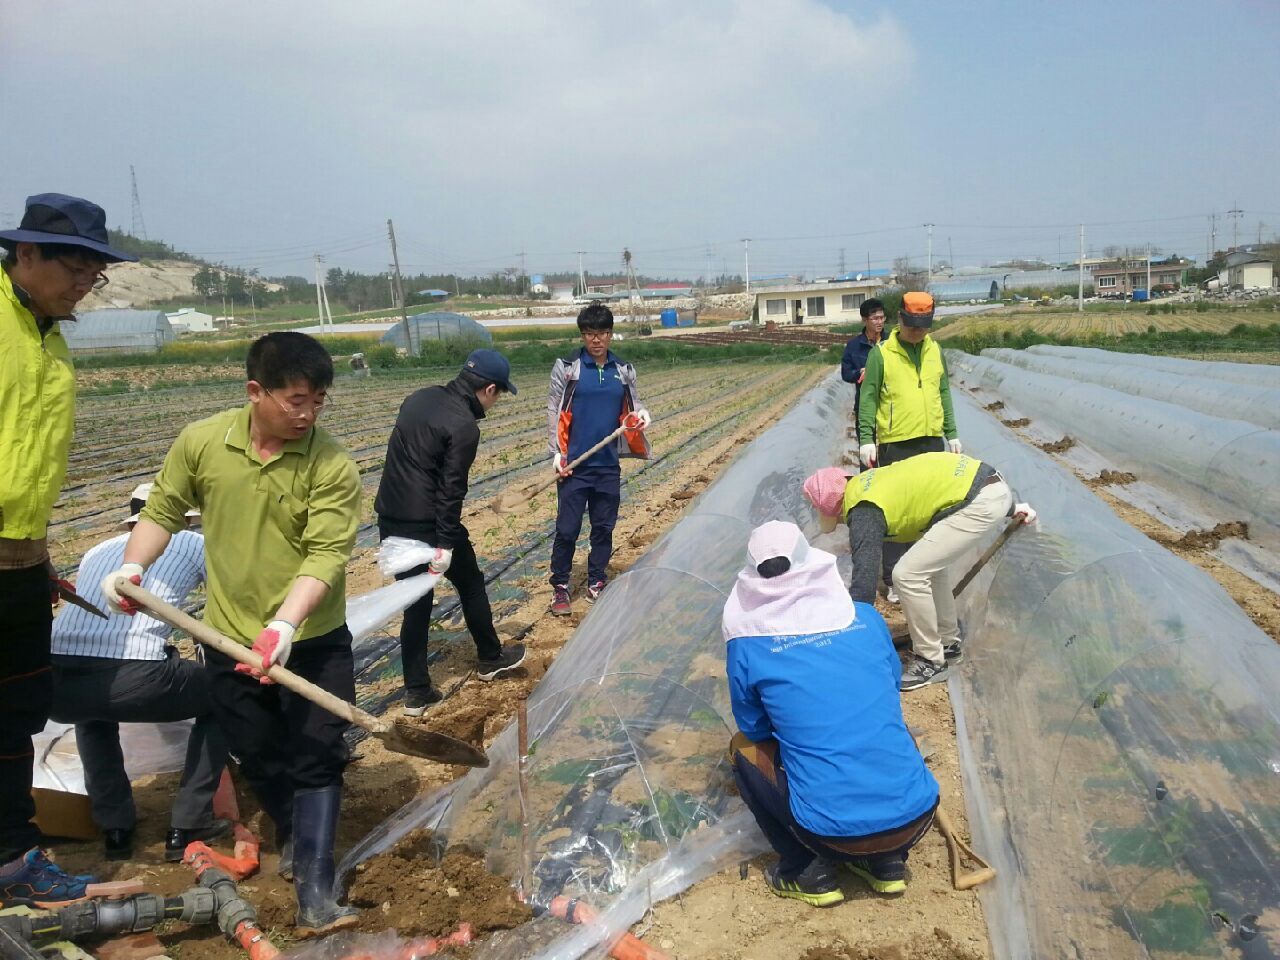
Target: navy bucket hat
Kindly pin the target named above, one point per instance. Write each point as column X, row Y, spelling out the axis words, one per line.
column 58, row 218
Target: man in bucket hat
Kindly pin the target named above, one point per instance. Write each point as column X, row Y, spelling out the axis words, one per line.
column 50, row 263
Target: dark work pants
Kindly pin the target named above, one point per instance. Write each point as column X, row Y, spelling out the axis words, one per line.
column 26, row 684
column 762, row 783
column 468, row 579
column 599, row 494
column 98, row 694
column 283, row 741
column 887, row 453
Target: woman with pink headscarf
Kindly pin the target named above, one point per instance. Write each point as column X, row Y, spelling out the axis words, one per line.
column 823, row 758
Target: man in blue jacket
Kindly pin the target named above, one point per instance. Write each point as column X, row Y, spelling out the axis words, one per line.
column 592, row 394
column 823, row 758
column 853, row 364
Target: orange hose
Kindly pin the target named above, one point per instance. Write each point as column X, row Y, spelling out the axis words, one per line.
column 626, row 947
column 255, row 942
column 427, row 946
column 243, row 864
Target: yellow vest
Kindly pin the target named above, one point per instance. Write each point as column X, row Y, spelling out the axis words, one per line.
column 912, row 492
column 37, row 416
column 910, row 403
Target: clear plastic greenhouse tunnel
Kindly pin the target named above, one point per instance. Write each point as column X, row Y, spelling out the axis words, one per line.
column 1228, row 468
column 1226, row 399
column 1258, row 374
column 1119, row 735
column 630, row 796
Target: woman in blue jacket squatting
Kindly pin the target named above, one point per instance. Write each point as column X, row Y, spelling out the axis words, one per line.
column 823, row 758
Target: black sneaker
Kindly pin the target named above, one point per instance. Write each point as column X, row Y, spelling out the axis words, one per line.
column 921, row 673
column 176, row 840
column 511, row 657
column 884, row 873
column 415, row 704
column 815, row 885
column 117, row 844
column 953, row 652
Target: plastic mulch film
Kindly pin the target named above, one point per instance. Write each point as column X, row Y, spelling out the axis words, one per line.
column 1256, row 374
column 1228, row 467
column 630, row 794
column 1252, row 403
column 1119, row 736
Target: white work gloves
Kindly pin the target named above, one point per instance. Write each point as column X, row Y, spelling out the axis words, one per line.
column 954, row 445
column 557, row 464
column 440, row 562
column 274, row 644
column 1026, row 512
column 129, row 571
column 638, row 420
column 867, row 454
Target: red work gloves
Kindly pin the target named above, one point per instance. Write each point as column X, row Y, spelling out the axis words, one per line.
column 274, row 644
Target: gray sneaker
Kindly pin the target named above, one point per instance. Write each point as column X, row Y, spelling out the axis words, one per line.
column 953, row 651
column 921, row 673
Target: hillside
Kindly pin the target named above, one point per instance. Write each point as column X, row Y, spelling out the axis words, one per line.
column 144, row 283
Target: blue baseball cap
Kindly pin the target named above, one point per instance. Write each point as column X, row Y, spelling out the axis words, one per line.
column 58, row 218
column 491, row 365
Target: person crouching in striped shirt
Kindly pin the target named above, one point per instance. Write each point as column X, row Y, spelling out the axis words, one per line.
column 124, row 670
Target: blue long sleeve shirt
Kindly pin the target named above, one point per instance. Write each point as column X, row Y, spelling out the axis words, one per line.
column 831, row 701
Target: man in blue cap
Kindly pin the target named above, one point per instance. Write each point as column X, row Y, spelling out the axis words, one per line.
column 51, row 262
column 424, row 481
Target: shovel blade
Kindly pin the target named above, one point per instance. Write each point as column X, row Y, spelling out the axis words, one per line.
column 513, row 498
column 417, row 741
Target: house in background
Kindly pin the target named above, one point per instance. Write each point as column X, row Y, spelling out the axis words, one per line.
column 1129, row 274
column 1245, row 270
column 537, row 285
column 190, row 320
column 835, row 302
column 562, row 290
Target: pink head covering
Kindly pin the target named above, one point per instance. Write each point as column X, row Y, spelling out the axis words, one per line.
column 825, row 490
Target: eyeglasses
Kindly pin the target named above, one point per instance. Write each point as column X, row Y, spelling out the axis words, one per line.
column 597, row 334
column 91, row 275
column 302, row 409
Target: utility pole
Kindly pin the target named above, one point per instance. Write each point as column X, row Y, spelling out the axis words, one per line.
column 1235, row 213
column 1213, row 237
column 746, row 260
column 457, row 289
column 1080, row 294
column 842, row 269
column 1148, row 271
column 139, row 228
column 582, row 277
column 951, row 257
column 707, row 277
column 319, row 288
column 404, row 313
column 524, row 277
column 929, row 268
column 391, row 283
column 868, row 262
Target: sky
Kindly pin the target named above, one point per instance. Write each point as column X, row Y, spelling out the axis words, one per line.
column 828, row 133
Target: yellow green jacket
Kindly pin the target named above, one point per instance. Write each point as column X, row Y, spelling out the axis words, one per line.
column 905, row 393
column 37, row 416
column 915, row 492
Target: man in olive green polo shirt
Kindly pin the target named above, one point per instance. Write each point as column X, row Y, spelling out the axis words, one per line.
column 280, row 501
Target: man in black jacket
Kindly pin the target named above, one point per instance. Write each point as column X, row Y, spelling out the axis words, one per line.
column 424, row 482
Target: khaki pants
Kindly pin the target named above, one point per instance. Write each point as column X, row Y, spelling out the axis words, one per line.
column 921, row 576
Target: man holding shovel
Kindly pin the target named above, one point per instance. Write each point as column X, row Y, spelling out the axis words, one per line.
column 592, row 395
column 939, row 504
column 280, row 501
column 424, row 482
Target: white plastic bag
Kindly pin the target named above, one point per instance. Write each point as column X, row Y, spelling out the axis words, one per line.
column 398, row 554
column 372, row 611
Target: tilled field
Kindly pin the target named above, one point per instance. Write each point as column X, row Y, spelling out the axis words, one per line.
column 702, row 416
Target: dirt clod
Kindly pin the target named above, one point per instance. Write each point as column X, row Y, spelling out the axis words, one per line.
column 1112, row 478
column 429, row 898
column 1208, row 539
column 939, row 945
column 1020, row 422
column 996, row 405
column 1058, row 446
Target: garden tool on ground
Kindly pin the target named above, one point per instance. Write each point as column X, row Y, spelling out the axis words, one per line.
column 955, row 848
column 402, row 736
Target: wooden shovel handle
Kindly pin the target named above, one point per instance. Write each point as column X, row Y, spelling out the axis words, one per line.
column 569, row 466
column 987, row 554
column 236, row 651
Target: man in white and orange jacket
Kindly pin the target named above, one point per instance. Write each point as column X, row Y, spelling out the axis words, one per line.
column 593, row 393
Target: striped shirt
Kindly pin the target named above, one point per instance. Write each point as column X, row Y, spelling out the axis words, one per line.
column 172, row 578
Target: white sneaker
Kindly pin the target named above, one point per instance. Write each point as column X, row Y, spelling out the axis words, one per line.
column 892, row 596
